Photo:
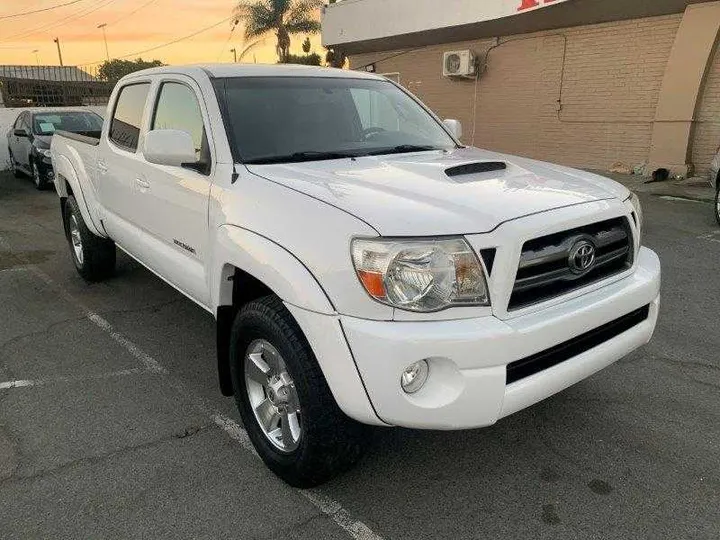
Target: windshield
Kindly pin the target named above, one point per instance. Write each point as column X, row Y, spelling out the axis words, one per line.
column 75, row 122
column 285, row 119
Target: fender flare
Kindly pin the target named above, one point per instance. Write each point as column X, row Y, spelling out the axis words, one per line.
column 64, row 170
column 294, row 283
column 269, row 263
column 275, row 267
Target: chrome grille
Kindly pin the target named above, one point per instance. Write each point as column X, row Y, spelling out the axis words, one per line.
column 547, row 270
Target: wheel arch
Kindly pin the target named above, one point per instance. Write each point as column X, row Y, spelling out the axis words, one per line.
column 249, row 266
column 67, row 183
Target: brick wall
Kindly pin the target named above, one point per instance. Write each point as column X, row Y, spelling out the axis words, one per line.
column 608, row 84
column 706, row 130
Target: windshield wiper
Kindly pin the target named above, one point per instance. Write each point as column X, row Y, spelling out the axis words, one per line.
column 310, row 155
column 403, row 149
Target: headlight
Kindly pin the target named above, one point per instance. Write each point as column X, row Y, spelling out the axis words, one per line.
column 421, row 275
column 46, row 153
column 637, row 208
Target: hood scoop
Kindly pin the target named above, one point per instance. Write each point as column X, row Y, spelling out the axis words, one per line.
column 475, row 168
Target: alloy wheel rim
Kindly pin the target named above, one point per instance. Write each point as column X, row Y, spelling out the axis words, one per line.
column 272, row 396
column 76, row 240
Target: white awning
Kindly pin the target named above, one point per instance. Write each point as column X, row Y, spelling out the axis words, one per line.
column 367, row 25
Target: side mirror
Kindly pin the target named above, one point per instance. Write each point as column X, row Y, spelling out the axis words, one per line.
column 454, row 126
column 169, row 147
column 20, row 132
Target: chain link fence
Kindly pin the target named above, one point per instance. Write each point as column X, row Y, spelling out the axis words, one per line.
column 52, row 86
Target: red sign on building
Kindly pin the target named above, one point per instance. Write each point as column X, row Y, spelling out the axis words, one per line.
column 529, row 4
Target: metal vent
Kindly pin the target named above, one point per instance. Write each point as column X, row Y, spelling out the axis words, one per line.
column 474, row 168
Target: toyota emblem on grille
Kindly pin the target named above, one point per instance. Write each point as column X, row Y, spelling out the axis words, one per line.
column 582, row 257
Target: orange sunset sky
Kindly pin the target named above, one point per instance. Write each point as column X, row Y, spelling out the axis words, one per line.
column 154, row 23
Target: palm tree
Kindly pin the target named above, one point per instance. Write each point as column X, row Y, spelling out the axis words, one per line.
column 282, row 17
column 249, row 48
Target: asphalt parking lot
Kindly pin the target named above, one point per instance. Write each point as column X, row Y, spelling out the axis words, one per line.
column 112, row 426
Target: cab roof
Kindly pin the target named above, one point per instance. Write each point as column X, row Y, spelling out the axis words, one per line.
column 254, row 70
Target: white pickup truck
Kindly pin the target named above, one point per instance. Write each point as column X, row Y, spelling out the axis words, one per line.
column 363, row 266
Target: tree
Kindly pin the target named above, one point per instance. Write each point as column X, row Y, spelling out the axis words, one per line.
column 112, row 70
column 335, row 58
column 281, row 17
column 313, row 59
column 306, row 46
column 248, row 48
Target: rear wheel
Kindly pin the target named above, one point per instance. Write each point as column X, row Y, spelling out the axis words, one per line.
column 94, row 257
column 285, row 403
column 717, row 203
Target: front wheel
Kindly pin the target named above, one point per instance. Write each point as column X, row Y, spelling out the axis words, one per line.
column 13, row 166
column 94, row 257
column 285, row 403
column 38, row 180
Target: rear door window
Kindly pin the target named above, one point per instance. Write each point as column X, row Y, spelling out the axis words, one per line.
column 127, row 117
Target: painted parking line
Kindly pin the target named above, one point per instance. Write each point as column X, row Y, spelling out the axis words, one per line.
column 29, row 383
column 682, row 199
column 333, row 509
column 710, row 237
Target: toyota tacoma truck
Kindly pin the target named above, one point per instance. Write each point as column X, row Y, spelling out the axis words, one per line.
column 363, row 266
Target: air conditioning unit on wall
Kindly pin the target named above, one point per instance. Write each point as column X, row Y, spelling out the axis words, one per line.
column 459, row 64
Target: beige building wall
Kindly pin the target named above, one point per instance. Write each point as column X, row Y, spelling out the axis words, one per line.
column 706, row 130
column 584, row 96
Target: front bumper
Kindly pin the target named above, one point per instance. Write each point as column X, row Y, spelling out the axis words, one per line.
column 468, row 358
column 45, row 168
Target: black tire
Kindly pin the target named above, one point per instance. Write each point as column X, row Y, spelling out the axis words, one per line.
column 330, row 442
column 98, row 254
column 717, row 202
column 37, row 178
column 13, row 167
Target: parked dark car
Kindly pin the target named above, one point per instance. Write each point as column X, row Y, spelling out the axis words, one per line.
column 29, row 140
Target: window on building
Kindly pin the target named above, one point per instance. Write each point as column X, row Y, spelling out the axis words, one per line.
column 127, row 118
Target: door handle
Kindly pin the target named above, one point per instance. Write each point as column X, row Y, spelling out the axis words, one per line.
column 102, row 167
column 142, row 184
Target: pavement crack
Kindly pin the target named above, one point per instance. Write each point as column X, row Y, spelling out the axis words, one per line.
column 42, row 331
column 142, row 308
column 70, row 465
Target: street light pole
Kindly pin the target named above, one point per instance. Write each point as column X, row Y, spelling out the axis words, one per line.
column 234, row 51
column 57, row 42
column 37, row 58
column 107, row 54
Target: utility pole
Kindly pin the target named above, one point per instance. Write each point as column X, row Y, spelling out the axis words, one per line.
column 107, row 54
column 57, row 42
column 37, row 58
column 234, row 51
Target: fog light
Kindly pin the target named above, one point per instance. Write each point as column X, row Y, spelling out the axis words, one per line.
column 414, row 376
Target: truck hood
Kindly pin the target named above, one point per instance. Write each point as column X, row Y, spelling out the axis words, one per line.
column 424, row 194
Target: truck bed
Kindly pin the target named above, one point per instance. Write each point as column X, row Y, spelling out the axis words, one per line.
column 87, row 137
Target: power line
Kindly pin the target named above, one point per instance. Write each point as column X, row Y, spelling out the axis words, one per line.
column 59, row 22
column 131, row 13
column 121, row 18
column 235, row 23
column 178, row 40
column 23, row 13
